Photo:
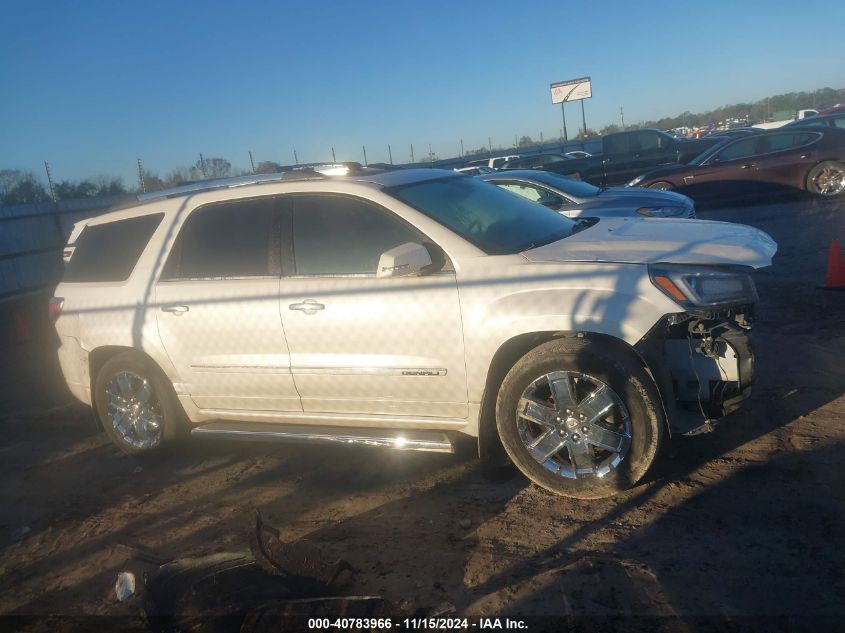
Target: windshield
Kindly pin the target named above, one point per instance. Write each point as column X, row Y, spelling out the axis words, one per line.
column 493, row 219
column 703, row 156
column 573, row 187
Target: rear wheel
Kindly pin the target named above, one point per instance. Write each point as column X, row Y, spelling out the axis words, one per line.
column 580, row 419
column 827, row 179
column 662, row 185
column 136, row 404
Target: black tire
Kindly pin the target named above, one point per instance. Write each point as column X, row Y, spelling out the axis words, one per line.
column 826, row 180
column 662, row 185
column 633, row 389
column 162, row 401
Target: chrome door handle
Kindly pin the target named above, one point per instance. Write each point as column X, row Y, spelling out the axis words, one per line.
column 309, row 306
column 747, row 166
column 177, row 310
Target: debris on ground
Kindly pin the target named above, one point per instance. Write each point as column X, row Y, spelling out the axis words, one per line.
column 124, row 587
column 255, row 591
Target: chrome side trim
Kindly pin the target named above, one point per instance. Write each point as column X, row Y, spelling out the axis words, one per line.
column 431, row 441
column 381, row 371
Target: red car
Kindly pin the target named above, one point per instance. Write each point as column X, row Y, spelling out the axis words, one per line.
column 793, row 159
column 839, row 107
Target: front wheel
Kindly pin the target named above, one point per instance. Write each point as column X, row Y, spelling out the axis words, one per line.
column 579, row 419
column 662, row 185
column 136, row 404
column 827, row 179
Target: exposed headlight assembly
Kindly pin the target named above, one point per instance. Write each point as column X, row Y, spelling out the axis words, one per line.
column 703, row 286
column 663, row 212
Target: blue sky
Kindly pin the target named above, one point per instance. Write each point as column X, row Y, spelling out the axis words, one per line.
column 90, row 86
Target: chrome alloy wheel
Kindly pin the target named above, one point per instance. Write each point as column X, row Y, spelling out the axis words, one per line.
column 574, row 424
column 134, row 410
column 829, row 180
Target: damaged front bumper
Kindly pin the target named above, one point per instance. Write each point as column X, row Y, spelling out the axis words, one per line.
column 703, row 364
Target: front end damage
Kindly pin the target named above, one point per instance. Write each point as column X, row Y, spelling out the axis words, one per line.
column 703, row 364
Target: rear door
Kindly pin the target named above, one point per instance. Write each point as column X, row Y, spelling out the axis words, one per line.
column 359, row 344
column 218, row 308
column 787, row 159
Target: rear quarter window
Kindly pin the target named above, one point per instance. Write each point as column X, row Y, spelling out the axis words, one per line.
column 109, row 252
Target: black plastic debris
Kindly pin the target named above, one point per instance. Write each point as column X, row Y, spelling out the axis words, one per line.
column 277, row 586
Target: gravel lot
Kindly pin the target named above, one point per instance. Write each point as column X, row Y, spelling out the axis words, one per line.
column 746, row 521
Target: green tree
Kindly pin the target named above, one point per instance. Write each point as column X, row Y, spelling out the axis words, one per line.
column 151, row 181
column 526, row 141
column 479, row 151
column 109, row 185
column 20, row 187
column 268, row 167
column 182, row 175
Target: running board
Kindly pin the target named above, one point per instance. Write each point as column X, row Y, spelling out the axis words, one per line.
column 416, row 440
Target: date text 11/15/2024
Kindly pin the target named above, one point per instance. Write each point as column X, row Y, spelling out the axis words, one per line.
column 416, row 624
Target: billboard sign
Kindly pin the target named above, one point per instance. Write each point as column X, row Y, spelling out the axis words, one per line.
column 572, row 90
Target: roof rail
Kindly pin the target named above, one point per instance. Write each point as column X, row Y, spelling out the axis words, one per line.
column 226, row 183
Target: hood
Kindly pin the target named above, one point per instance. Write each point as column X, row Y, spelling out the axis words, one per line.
column 641, row 197
column 649, row 241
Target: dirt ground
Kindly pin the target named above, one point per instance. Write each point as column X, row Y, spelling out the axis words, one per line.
column 746, row 521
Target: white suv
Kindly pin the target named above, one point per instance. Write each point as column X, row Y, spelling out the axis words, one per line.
column 401, row 308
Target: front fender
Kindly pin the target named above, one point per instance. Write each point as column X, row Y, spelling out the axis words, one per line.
column 609, row 299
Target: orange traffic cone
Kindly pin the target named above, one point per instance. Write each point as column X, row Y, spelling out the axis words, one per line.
column 835, row 277
column 22, row 333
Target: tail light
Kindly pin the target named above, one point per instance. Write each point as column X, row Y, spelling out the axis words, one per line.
column 56, row 305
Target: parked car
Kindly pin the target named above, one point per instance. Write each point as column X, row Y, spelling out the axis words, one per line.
column 538, row 161
column 402, row 308
column 810, row 158
column 475, row 170
column 575, row 198
column 494, row 162
column 737, row 132
column 824, row 120
column 624, row 155
column 839, row 107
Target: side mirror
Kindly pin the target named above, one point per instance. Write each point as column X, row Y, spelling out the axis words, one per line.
column 405, row 260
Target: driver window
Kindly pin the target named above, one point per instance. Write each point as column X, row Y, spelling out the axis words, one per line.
column 535, row 194
column 342, row 235
column 740, row 149
column 525, row 191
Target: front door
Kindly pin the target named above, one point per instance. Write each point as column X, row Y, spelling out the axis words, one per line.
column 218, row 309
column 359, row 344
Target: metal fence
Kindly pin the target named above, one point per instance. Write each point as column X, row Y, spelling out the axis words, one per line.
column 32, row 237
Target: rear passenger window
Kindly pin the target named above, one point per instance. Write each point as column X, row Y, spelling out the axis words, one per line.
column 233, row 239
column 109, row 252
column 780, row 142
